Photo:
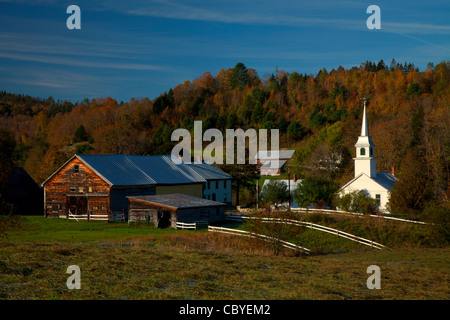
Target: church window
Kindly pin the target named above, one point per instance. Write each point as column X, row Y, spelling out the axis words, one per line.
column 363, row 152
column 378, row 198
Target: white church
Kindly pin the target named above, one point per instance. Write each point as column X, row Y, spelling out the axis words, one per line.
column 374, row 184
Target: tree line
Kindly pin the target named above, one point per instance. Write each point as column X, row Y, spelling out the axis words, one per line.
column 318, row 115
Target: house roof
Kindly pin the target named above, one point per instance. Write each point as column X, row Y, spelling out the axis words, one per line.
column 384, row 179
column 177, row 201
column 279, row 154
column 209, row 171
column 273, row 164
column 130, row 170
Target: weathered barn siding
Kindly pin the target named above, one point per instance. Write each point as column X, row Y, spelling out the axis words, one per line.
column 99, row 185
column 195, row 190
column 157, row 215
column 165, row 210
column 70, row 185
column 81, row 190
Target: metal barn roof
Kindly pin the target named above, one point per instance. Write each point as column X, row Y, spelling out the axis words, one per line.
column 128, row 170
column 177, row 201
column 209, row 171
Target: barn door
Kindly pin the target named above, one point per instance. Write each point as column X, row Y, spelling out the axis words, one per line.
column 164, row 218
column 77, row 205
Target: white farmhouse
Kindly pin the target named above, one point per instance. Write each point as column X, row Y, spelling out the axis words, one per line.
column 374, row 184
column 218, row 183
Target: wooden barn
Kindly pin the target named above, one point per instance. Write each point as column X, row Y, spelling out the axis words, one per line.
column 170, row 209
column 98, row 185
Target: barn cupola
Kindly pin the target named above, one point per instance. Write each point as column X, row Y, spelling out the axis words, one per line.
column 365, row 161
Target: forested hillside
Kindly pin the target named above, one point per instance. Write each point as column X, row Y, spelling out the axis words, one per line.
column 318, row 115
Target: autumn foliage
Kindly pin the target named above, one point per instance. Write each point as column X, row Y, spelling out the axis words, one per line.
column 318, row 115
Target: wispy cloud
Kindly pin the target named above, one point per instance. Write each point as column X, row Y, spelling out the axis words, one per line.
column 229, row 14
column 80, row 63
column 257, row 14
column 415, row 28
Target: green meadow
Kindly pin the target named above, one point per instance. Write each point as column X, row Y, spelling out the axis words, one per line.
column 124, row 262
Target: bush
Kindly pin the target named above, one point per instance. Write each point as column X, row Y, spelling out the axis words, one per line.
column 275, row 192
column 316, row 191
column 439, row 216
column 357, row 202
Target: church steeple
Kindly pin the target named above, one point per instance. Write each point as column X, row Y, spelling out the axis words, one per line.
column 365, row 161
column 364, row 127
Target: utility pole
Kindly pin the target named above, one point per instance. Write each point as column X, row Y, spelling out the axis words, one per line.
column 257, row 193
column 289, row 188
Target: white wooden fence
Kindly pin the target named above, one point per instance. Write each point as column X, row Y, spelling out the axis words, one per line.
column 194, row 225
column 328, row 211
column 86, row 217
column 318, row 227
column 244, row 233
column 114, row 216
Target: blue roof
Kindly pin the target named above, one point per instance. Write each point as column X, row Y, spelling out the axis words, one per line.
column 129, row 170
column 385, row 179
column 209, row 171
column 177, row 200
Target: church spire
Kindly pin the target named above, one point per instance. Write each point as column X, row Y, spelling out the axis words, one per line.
column 365, row 126
column 365, row 161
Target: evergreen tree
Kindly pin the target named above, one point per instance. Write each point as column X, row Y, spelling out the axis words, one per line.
column 80, row 134
column 239, row 76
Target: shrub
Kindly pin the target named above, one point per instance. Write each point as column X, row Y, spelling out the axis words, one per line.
column 275, row 192
column 315, row 191
column 357, row 202
column 439, row 216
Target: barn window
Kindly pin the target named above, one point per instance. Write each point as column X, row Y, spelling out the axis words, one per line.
column 73, row 189
column 363, row 152
column 76, row 168
column 81, row 189
column 90, row 189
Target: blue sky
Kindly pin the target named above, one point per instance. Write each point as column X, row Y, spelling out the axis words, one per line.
column 137, row 48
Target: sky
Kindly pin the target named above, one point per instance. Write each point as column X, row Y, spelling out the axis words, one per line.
column 142, row 48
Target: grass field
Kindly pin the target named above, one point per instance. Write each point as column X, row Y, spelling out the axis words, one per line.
column 121, row 262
